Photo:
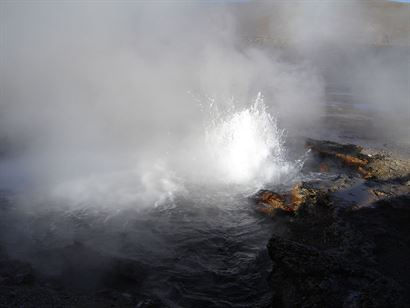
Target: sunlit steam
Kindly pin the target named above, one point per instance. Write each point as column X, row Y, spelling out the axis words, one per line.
column 247, row 146
column 110, row 124
column 242, row 148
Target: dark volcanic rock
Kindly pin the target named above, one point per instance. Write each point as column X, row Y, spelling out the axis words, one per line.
column 347, row 155
column 348, row 241
column 304, row 276
column 13, row 272
column 368, row 163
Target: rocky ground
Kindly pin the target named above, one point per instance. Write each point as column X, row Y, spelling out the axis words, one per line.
column 343, row 241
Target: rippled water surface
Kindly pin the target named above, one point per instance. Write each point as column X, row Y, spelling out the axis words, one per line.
column 207, row 249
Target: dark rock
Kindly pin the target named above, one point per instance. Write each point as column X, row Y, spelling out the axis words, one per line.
column 368, row 163
column 348, row 155
column 348, row 241
column 304, row 276
column 151, row 303
column 13, row 272
column 125, row 271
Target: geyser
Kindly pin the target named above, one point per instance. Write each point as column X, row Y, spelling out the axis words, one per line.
column 122, row 163
column 246, row 147
column 236, row 150
column 98, row 103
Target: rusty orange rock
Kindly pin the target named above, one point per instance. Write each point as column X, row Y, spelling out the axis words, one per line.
column 349, row 155
column 296, row 196
column 351, row 160
column 271, row 197
column 270, row 201
column 274, row 200
column 364, row 173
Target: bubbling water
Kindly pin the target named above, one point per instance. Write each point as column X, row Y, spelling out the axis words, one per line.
column 237, row 151
column 182, row 215
column 247, row 147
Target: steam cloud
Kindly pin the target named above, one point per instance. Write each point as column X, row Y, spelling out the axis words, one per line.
column 360, row 46
column 113, row 102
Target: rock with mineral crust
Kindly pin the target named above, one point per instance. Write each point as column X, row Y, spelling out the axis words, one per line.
column 388, row 168
column 377, row 169
column 302, row 194
column 349, row 155
column 347, row 244
column 269, row 202
column 369, row 166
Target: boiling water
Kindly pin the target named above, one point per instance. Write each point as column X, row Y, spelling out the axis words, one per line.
column 190, row 227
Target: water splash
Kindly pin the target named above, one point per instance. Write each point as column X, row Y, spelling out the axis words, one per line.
column 236, row 150
column 246, row 147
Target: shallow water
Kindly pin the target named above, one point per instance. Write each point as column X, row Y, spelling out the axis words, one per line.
column 205, row 250
column 213, row 255
column 183, row 218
